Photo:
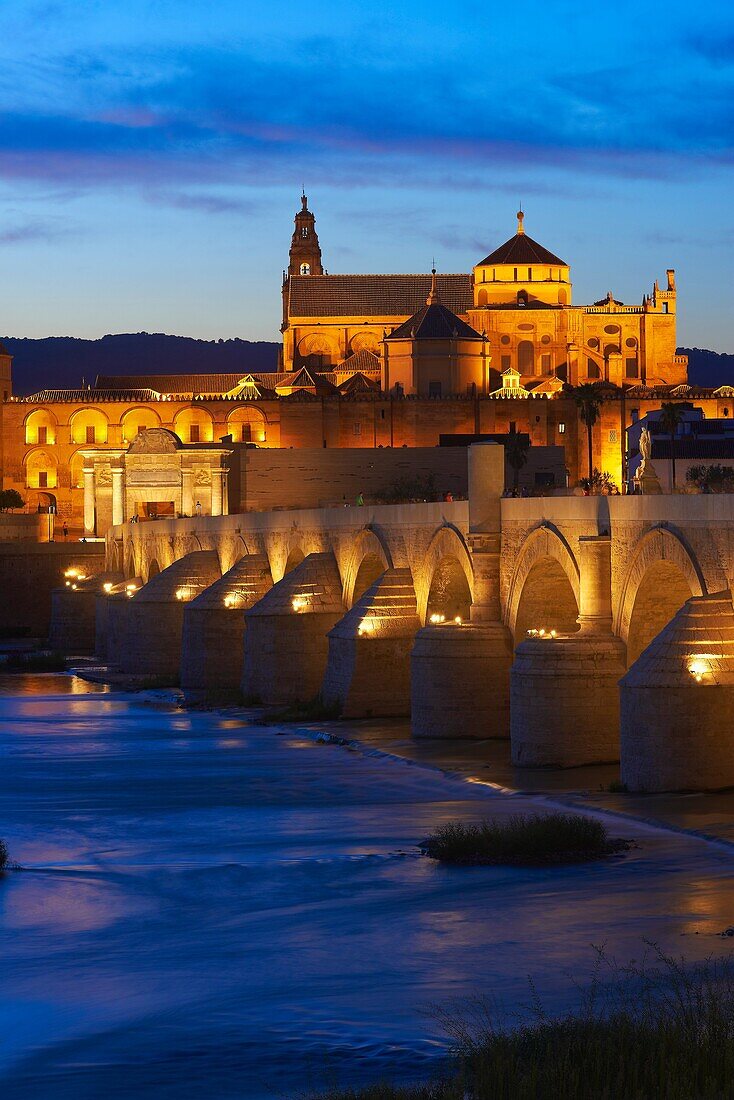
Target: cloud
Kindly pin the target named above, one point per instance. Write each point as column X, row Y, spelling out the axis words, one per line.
column 39, row 230
column 214, row 116
column 207, row 203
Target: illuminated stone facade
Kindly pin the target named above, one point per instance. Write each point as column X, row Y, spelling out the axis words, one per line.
column 517, row 302
column 380, row 361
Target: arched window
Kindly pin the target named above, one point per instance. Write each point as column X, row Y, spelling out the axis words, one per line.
column 483, row 298
column 89, row 427
column 40, row 427
column 526, row 357
column 304, row 231
column 305, row 269
column 40, row 470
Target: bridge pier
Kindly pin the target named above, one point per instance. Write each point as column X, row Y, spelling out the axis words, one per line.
column 151, row 642
column 212, row 645
column 564, row 701
column 286, row 633
column 460, row 673
column 110, row 617
column 460, row 680
column 368, row 668
column 677, row 702
column 73, row 613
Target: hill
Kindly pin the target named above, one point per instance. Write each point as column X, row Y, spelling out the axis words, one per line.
column 709, row 368
column 62, row 362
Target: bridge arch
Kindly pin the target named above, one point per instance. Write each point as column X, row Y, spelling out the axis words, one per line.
column 370, row 558
column 661, row 576
column 294, row 557
column 445, row 582
column 129, row 570
column 544, row 589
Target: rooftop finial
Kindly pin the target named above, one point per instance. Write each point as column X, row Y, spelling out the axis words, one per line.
column 520, row 217
column 304, row 200
column 433, row 295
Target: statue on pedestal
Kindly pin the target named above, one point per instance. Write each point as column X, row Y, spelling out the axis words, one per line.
column 646, row 478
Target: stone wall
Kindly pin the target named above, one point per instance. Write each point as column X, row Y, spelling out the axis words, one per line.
column 271, row 478
column 28, row 574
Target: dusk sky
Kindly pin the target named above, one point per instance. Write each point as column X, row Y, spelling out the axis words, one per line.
column 152, row 152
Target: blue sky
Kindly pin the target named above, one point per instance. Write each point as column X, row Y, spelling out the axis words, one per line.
column 152, row 152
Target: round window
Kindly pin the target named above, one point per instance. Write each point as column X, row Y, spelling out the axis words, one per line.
column 593, row 342
column 526, row 328
column 611, row 328
column 631, row 342
column 545, row 339
column 505, row 339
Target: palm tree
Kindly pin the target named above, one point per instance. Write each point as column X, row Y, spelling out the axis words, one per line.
column 588, row 402
column 516, row 453
column 671, row 415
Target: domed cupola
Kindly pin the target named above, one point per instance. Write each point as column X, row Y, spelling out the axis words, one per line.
column 522, row 273
column 434, row 353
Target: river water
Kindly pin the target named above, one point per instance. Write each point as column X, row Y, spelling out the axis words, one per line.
column 208, row 907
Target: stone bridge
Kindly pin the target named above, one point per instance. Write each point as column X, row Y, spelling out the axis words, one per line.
column 575, row 624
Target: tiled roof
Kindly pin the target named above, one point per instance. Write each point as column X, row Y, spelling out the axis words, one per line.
column 93, row 397
column 373, row 295
column 522, row 249
column 358, row 383
column 434, row 322
column 170, row 383
column 361, row 361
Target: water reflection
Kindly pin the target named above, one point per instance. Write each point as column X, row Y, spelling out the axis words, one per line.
column 48, row 683
column 213, row 914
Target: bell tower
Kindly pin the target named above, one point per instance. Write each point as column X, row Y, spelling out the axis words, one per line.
column 305, row 253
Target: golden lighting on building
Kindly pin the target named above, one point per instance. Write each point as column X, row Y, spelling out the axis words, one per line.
column 435, row 619
column 299, row 603
column 131, row 589
column 698, row 666
column 232, row 599
column 542, row 633
column 366, row 627
column 74, row 574
column 107, row 587
column 183, row 593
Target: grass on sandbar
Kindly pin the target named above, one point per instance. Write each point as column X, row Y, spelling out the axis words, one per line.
column 522, row 839
column 663, row 1033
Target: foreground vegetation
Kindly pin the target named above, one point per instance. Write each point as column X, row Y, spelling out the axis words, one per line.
column 522, row 839
column 665, row 1032
column 3, row 856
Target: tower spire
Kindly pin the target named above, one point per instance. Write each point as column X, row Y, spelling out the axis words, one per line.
column 305, row 253
column 520, row 219
column 433, row 297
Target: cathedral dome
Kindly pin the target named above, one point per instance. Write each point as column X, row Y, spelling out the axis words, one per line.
column 521, row 249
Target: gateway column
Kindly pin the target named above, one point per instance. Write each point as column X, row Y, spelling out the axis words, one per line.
column 118, row 506
column 89, row 500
